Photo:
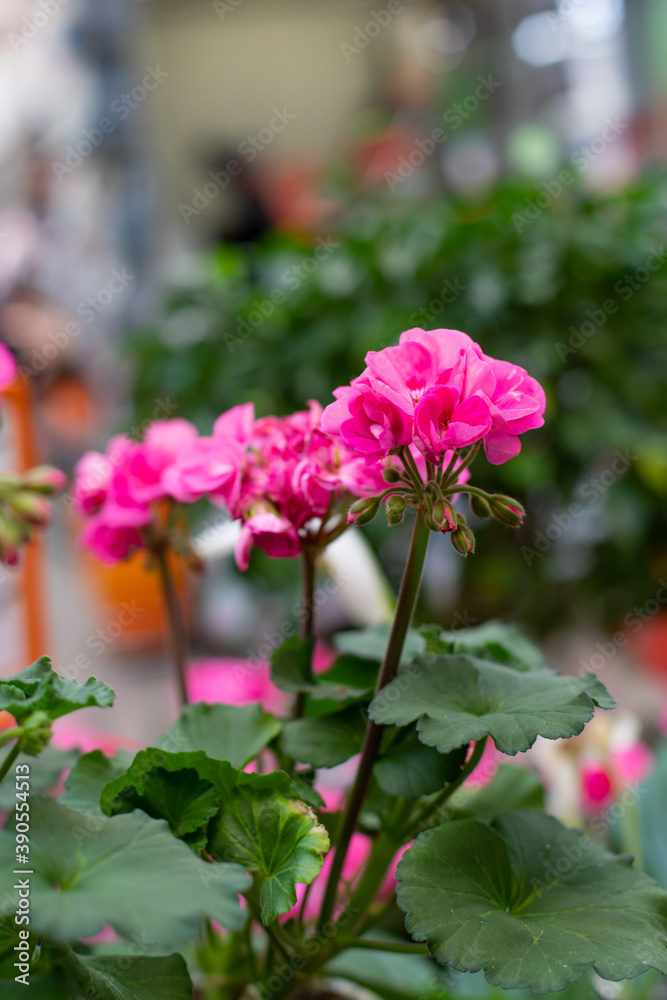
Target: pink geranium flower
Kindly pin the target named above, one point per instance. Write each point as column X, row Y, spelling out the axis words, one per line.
column 437, row 390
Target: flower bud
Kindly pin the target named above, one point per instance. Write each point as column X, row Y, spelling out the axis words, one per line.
column 395, row 508
column 12, row 534
column 45, row 479
column 391, row 476
column 506, row 510
column 31, row 509
column 480, row 506
column 36, row 733
column 463, row 540
column 10, row 482
column 443, row 515
column 364, row 510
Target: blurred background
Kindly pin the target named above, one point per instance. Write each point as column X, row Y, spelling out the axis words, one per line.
column 214, row 201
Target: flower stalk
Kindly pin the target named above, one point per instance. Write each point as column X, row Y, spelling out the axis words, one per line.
column 404, row 610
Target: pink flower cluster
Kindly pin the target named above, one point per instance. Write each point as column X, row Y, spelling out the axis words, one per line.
column 293, row 477
column 115, row 491
column 278, row 475
column 438, row 391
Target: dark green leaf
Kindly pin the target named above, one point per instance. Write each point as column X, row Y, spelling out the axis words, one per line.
column 460, row 698
column 224, row 732
column 391, row 976
column 83, row 788
column 60, row 974
column 495, row 641
column 371, row 643
column 127, row 871
column 278, row 838
column 411, row 769
column 39, row 688
column 511, row 788
column 532, row 903
column 350, row 677
column 324, row 742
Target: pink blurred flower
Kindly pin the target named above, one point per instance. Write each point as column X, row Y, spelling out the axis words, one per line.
column 109, row 544
column 235, row 682
column 604, row 778
column 274, row 534
column 8, row 367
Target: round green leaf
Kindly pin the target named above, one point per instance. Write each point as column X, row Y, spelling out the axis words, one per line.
column 127, row 871
column 236, row 733
column 459, row 698
column 531, row 903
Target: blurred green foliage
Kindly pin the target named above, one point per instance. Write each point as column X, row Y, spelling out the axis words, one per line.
column 572, row 286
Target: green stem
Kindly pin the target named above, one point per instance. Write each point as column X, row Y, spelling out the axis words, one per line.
column 447, row 792
column 308, row 622
column 11, row 734
column 404, row 610
column 411, row 467
column 179, row 643
column 464, row 464
column 9, row 760
column 399, row 947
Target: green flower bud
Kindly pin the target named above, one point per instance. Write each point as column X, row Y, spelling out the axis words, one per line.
column 36, row 733
column 391, row 476
column 31, row 509
column 463, row 540
column 480, row 507
column 507, row 510
column 364, row 510
column 395, row 508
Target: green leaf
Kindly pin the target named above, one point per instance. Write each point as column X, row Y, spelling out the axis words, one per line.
column 371, row 643
column 278, row 838
column 39, row 688
column 460, row 698
column 494, row 640
column 411, row 769
column 60, row 974
column 531, row 903
column 350, row 677
column 83, row 788
column 390, row 976
column 127, row 871
column 511, row 788
column 225, row 732
column 184, row 788
column 324, row 742
column 45, row 772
